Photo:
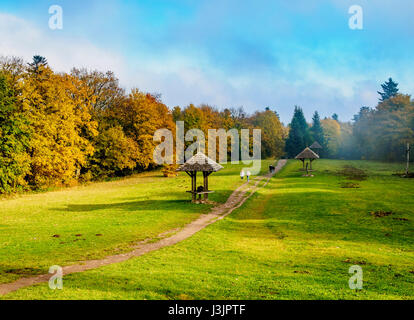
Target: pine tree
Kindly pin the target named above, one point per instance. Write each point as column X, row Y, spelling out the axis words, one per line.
column 390, row 89
column 298, row 138
column 38, row 61
column 316, row 131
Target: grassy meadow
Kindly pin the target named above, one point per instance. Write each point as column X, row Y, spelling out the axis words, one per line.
column 294, row 239
column 97, row 220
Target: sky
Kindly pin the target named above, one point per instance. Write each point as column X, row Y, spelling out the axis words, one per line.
column 227, row 53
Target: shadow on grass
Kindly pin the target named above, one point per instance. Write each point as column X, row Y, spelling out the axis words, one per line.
column 21, row 271
column 182, row 202
column 130, row 206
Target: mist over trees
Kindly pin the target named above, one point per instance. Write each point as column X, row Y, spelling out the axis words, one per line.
column 379, row 133
column 383, row 132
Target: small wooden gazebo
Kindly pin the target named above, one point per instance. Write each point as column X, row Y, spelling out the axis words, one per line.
column 316, row 147
column 307, row 154
column 200, row 162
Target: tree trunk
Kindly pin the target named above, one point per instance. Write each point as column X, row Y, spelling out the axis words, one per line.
column 408, row 159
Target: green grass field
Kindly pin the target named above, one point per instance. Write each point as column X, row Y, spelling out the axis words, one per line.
column 94, row 221
column 294, row 239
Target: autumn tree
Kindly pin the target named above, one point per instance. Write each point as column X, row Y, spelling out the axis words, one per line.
column 102, row 89
column 57, row 116
column 212, row 118
column 347, row 148
column 383, row 132
column 227, row 121
column 115, row 154
column 393, row 127
column 13, row 68
column 140, row 116
column 272, row 133
column 177, row 114
column 193, row 117
column 332, row 137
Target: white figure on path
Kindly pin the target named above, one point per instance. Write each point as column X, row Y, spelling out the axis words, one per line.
column 242, row 174
column 248, row 175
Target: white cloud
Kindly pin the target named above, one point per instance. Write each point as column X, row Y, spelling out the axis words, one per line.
column 23, row 39
column 179, row 79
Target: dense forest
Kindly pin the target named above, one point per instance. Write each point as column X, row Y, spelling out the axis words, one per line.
column 60, row 129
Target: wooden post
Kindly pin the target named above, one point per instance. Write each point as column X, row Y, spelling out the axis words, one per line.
column 205, row 185
column 206, row 174
column 194, row 186
column 192, row 180
column 408, row 159
column 192, row 176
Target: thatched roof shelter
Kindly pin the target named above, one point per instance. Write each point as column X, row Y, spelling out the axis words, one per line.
column 200, row 162
column 307, row 154
column 316, row 145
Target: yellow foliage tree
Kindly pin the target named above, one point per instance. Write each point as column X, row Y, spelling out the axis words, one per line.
column 140, row 116
column 59, row 116
column 332, row 133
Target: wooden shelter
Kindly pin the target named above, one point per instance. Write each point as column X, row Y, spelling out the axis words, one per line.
column 316, row 147
column 307, row 154
column 200, row 162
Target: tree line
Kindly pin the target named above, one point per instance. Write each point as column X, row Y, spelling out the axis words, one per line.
column 59, row 129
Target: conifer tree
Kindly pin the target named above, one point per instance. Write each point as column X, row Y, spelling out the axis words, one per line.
column 38, row 61
column 298, row 138
column 316, row 131
column 390, row 89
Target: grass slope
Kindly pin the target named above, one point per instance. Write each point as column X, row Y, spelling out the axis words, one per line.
column 97, row 220
column 294, row 239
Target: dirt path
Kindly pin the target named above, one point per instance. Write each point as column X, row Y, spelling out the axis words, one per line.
column 236, row 200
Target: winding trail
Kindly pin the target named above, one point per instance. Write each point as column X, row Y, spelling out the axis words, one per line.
column 236, row 200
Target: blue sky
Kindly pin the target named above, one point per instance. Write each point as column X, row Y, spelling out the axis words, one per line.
column 227, row 53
